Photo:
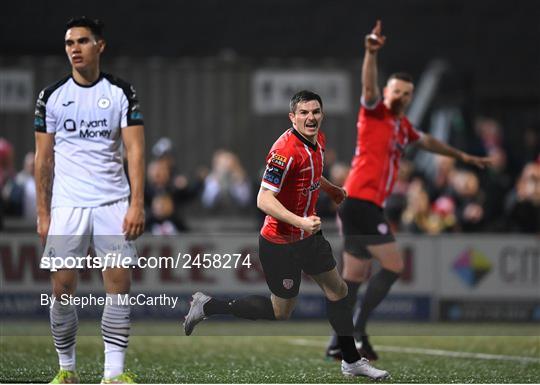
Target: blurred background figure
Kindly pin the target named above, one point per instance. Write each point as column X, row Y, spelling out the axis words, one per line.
column 11, row 193
column 523, row 203
column 469, row 200
column 490, row 133
column 440, row 182
column 162, row 219
column 167, row 193
column 7, row 171
column 227, row 188
column 337, row 174
column 25, row 180
column 530, row 150
column 163, row 149
column 419, row 217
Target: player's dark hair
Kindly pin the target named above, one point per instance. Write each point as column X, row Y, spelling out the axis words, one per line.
column 303, row 96
column 95, row 26
column 406, row 77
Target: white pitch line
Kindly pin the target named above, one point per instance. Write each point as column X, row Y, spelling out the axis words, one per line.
column 430, row 352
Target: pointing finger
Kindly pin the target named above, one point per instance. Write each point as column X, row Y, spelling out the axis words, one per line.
column 377, row 29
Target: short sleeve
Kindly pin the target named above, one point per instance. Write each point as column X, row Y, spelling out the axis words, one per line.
column 413, row 134
column 131, row 108
column 370, row 106
column 44, row 121
column 278, row 164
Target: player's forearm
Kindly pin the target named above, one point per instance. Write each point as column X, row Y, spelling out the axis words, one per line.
column 327, row 186
column 370, row 90
column 431, row 144
column 43, row 174
column 133, row 137
column 135, row 157
column 268, row 203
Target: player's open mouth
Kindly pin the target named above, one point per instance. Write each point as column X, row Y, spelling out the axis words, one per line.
column 311, row 125
column 76, row 59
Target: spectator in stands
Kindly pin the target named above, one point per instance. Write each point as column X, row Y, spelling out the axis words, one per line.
column 527, row 148
column 440, row 183
column 419, row 217
column 227, row 187
column 162, row 219
column 490, row 133
column 444, row 208
column 7, row 170
column 469, row 200
column 27, row 184
column 11, row 194
column 523, row 205
column 163, row 149
column 337, row 174
column 179, row 191
column 497, row 182
column 330, row 158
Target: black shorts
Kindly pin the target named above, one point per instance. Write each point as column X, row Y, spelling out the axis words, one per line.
column 283, row 263
column 363, row 224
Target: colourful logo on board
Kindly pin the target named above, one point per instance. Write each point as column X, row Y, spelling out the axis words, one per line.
column 472, row 266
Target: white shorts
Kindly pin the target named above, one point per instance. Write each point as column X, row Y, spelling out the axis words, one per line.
column 73, row 230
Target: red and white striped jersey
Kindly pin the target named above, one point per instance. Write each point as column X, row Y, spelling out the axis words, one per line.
column 380, row 142
column 293, row 170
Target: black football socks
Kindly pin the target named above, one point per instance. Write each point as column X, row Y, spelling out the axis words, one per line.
column 352, row 296
column 340, row 317
column 378, row 287
column 253, row 307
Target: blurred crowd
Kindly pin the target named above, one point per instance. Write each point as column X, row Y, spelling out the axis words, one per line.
column 446, row 198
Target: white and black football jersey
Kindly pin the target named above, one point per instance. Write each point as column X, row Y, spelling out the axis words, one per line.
column 88, row 150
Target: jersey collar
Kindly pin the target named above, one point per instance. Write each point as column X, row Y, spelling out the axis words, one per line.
column 88, row 85
column 304, row 140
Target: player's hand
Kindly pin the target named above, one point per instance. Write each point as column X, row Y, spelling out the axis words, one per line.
column 43, row 224
column 311, row 224
column 338, row 194
column 478, row 161
column 375, row 40
column 133, row 225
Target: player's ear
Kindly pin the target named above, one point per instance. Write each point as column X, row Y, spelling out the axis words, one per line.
column 291, row 117
column 101, row 44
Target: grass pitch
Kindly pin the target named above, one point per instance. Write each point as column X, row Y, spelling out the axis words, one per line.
column 289, row 352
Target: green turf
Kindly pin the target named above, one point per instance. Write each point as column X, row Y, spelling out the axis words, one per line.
column 273, row 359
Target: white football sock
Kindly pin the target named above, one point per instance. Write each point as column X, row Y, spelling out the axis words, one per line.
column 64, row 324
column 115, row 326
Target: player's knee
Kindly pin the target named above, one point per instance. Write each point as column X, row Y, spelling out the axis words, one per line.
column 355, row 275
column 119, row 282
column 342, row 290
column 394, row 264
column 338, row 292
column 350, row 274
column 355, row 268
column 63, row 287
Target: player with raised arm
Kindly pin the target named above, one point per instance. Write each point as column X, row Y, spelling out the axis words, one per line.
column 291, row 240
column 83, row 124
column 383, row 133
